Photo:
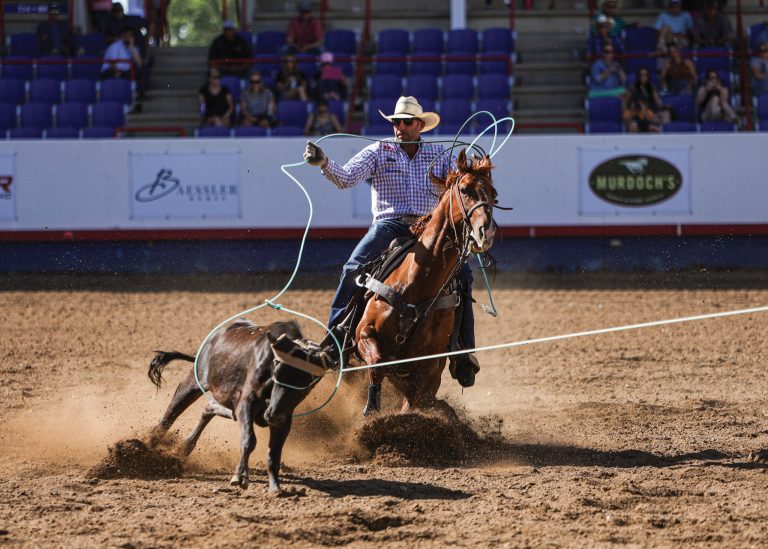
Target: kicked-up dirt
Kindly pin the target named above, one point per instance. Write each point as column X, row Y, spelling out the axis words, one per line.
column 639, row 437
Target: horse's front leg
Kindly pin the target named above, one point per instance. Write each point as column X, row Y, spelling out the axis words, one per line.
column 422, row 386
column 247, row 443
column 369, row 351
column 277, row 436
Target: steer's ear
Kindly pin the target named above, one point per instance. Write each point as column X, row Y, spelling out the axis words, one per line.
column 437, row 182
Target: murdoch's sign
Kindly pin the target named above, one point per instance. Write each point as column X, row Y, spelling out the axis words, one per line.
column 635, row 180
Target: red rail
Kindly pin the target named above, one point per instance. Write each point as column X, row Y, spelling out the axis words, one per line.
column 178, row 130
column 359, row 73
column 579, row 127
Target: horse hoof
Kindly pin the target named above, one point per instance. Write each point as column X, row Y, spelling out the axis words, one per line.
column 235, row 480
column 239, row 480
column 373, row 404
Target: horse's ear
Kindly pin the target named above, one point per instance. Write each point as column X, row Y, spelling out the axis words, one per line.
column 461, row 161
column 437, row 182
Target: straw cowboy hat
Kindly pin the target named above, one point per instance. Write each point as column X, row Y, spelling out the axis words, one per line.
column 408, row 107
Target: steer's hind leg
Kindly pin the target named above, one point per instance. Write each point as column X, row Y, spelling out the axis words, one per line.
column 186, row 393
column 213, row 409
column 277, row 436
column 247, row 444
column 759, row 456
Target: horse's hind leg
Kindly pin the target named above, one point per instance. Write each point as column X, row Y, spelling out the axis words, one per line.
column 186, row 393
column 247, row 444
column 213, row 409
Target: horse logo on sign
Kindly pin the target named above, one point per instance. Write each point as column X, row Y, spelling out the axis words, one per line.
column 163, row 185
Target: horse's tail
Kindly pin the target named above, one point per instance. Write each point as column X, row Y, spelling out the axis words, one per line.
column 158, row 363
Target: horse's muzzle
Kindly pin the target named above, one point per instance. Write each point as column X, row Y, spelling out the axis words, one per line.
column 482, row 237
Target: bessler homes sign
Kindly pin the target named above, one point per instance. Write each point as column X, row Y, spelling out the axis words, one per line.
column 626, row 182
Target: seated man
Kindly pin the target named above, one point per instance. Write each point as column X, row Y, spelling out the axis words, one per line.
column 674, row 26
column 396, row 168
column 54, row 35
column 305, row 33
column 607, row 76
column 122, row 56
column 229, row 45
column 712, row 29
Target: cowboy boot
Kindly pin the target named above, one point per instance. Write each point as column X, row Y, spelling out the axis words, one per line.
column 463, row 369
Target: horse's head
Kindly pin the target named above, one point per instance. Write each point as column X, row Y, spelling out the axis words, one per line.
column 469, row 196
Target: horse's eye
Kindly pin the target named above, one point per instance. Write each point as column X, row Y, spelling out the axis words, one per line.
column 495, row 200
column 463, row 190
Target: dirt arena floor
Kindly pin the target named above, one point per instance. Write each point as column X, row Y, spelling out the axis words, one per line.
column 637, row 438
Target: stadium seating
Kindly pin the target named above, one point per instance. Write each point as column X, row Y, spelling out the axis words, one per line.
column 45, row 91
column 393, row 42
column 337, row 107
column 250, row 131
column 640, row 39
column 270, row 42
column 455, row 111
column 498, row 40
column 98, row 132
column 86, row 66
column 287, row 131
column 423, row 86
column 25, row 44
column 8, row 116
column 605, row 127
column 108, row 114
column 679, row 127
column 604, row 109
column 373, row 118
column 462, row 41
column 233, row 84
column 426, row 64
column 80, row 90
column 62, row 133
column 717, row 127
column 761, row 106
column 390, row 66
column 116, row 90
column 385, row 86
column 90, row 44
column 718, row 59
column 12, row 90
column 213, row 131
column 428, row 41
column 683, row 106
column 499, row 108
column 341, row 42
column 494, row 86
column 25, row 133
column 36, row 115
column 72, row 115
column 458, row 86
column 460, row 66
column 292, row 113
column 56, row 68
column 453, row 129
column 17, row 67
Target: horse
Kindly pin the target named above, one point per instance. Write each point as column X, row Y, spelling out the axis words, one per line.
column 404, row 317
column 238, row 368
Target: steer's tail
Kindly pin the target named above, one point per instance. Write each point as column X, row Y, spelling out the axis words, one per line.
column 158, row 363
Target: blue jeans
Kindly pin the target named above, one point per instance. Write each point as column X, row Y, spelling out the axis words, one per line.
column 377, row 240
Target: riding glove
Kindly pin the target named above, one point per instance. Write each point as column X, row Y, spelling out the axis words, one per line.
column 314, row 155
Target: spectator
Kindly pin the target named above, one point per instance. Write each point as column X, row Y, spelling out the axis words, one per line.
column 228, row 45
column 305, row 33
column 122, row 56
column 759, row 66
column 291, row 82
column 759, row 34
column 322, row 121
column 674, row 26
column 678, row 75
column 54, row 35
column 100, row 10
column 115, row 22
column 330, row 80
column 215, row 101
column 712, row 100
column 610, row 9
column 603, row 37
column 712, row 28
column 607, row 76
column 645, row 111
column 257, row 104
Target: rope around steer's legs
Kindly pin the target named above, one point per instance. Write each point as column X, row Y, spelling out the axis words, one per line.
column 270, row 302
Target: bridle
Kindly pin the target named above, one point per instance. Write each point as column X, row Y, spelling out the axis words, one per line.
column 467, row 216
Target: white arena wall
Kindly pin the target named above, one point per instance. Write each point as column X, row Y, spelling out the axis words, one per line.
column 230, row 188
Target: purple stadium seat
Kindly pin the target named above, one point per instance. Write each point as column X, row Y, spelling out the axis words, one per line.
column 500, row 108
column 12, row 90
column 378, row 129
column 373, row 118
column 233, row 84
column 8, row 115
column 423, row 86
column 17, row 67
column 292, row 113
column 53, row 67
column 464, row 66
column 24, row 43
column 426, row 64
column 463, row 41
column 633, row 64
column 725, row 78
column 387, row 64
column 713, row 58
column 762, row 125
column 45, row 91
column 250, row 131
column 307, row 64
column 683, row 107
column 641, row 39
column 25, row 133
column 494, row 86
column 385, row 87
column 338, row 108
column 492, row 63
column 98, row 132
column 394, row 42
column 605, row 127
column 341, row 41
column 81, row 90
column 498, row 40
column 36, row 115
column 458, row 86
column 455, row 111
column 270, row 42
column 108, row 114
column 116, row 90
column 428, row 41
column 72, row 115
column 249, row 38
column 90, row 44
column 287, row 131
column 428, row 105
column 762, row 106
column 717, row 127
column 604, row 109
column 267, row 64
column 86, row 66
column 679, row 127
column 453, row 129
column 213, row 131
column 754, row 35
column 62, row 133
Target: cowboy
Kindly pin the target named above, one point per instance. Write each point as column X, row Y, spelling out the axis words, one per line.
column 401, row 193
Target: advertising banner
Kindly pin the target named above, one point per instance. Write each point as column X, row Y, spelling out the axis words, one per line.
column 8, row 187
column 185, row 185
column 621, row 182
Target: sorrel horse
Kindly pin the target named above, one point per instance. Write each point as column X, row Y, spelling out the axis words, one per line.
column 461, row 223
column 238, row 367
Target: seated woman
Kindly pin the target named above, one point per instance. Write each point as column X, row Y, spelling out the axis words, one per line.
column 322, row 121
column 215, row 101
column 330, row 80
column 678, row 75
column 645, row 112
column 291, row 82
column 712, row 100
column 257, row 104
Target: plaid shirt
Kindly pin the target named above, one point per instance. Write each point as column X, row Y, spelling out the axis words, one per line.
column 399, row 184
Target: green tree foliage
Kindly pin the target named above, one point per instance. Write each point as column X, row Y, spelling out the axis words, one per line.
column 194, row 22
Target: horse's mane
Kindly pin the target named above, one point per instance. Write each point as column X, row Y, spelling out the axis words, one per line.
column 478, row 166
